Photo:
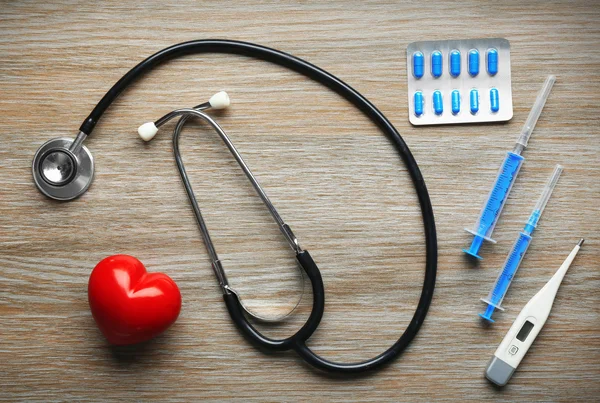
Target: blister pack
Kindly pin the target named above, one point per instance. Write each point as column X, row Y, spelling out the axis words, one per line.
column 459, row 81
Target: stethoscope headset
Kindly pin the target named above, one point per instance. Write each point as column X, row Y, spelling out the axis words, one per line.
column 63, row 169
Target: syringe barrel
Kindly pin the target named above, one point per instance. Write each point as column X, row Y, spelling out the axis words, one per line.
column 484, row 226
column 511, row 265
column 534, row 114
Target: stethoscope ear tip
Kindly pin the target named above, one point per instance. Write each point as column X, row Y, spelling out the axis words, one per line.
column 220, row 100
column 147, row 131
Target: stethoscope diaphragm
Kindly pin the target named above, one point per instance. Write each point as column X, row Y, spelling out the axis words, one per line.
column 60, row 173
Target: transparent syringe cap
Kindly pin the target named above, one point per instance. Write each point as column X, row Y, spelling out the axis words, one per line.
column 548, row 189
column 534, row 114
column 543, row 200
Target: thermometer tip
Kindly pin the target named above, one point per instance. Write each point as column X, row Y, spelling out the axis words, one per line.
column 580, row 242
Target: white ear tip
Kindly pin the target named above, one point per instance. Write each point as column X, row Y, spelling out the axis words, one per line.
column 219, row 101
column 147, row 131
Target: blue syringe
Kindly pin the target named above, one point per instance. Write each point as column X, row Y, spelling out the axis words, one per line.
column 495, row 297
column 506, row 176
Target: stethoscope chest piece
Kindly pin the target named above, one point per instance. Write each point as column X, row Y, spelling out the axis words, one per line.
column 63, row 170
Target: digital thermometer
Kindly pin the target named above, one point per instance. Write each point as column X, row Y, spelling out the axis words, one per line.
column 526, row 327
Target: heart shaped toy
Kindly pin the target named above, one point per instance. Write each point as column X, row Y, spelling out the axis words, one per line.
column 129, row 304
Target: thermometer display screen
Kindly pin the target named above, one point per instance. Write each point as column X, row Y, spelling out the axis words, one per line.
column 524, row 332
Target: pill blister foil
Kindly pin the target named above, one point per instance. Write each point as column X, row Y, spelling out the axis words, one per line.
column 464, row 83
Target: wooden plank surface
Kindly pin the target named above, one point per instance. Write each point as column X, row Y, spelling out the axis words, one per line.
column 333, row 176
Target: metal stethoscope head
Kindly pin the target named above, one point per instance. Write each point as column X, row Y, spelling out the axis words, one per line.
column 63, row 168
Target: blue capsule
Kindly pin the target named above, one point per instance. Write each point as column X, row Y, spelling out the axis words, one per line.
column 492, row 61
column 494, row 100
column 436, row 63
column 474, row 101
column 473, row 62
column 455, row 63
column 418, row 64
column 455, row 102
column 438, row 105
column 419, row 102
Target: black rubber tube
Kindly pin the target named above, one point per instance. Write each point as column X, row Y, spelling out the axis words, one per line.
column 239, row 318
column 337, row 85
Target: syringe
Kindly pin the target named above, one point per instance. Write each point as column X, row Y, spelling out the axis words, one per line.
column 495, row 297
column 506, row 176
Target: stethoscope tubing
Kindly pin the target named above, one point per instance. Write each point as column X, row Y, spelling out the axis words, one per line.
column 298, row 341
column 301, row 336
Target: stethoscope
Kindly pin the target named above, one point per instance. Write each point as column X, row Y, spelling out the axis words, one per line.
column 63, row 169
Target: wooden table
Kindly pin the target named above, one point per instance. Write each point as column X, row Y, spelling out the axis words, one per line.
column 333, row 176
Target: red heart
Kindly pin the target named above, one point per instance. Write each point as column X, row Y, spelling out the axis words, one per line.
column 130, row 305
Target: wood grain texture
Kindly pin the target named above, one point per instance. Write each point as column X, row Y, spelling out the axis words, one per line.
column 333, row 177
